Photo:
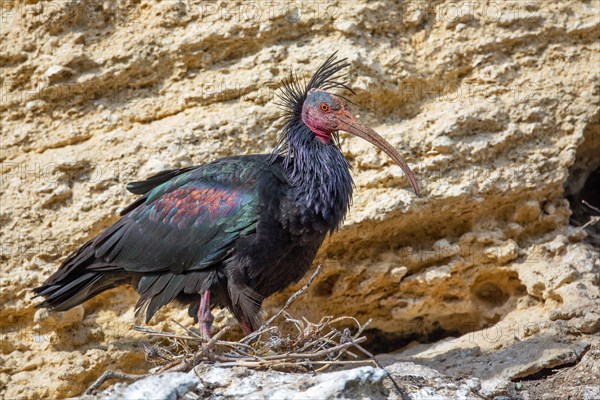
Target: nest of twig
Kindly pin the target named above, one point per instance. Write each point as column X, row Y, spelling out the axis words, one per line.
column 311, row 347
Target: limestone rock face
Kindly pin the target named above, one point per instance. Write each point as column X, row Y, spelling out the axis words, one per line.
column 496, row 108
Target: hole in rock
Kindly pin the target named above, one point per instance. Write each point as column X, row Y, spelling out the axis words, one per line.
column 325, row 287
column 583, row 203
column 379, row 342
column 583, row 184
column 490, row 293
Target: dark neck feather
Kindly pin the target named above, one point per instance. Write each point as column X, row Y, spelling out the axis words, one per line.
column 320, row 177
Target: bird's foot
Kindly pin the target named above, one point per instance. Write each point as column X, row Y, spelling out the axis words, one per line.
column 206, row 325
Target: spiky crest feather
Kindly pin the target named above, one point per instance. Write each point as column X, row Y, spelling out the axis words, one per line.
column 294, row 93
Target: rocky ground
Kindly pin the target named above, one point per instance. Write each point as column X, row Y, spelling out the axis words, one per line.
column 485, row 285
column 416, row 382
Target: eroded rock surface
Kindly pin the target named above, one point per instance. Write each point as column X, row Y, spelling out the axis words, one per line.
column 496, row 108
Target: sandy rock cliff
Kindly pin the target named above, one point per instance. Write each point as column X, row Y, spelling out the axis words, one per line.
column 494, row 104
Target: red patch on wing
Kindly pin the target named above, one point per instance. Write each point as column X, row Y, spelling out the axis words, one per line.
column 191, row 203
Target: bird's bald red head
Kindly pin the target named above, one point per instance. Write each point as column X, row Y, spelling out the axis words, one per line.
column 320, row 113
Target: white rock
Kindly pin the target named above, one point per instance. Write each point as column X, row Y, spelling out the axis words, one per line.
column 346, row 26
column 435, row 273
column 496, row 387
column 241, row 383
column 398, row 273
column 168, row 386
column 57, row 72
column 591, row 392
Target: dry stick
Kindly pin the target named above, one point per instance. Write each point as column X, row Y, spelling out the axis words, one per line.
column 590, row 206
column 230, row 344
column 324, row 339
column 155, row 351
column 213, row 340
column 593, row 219
column 112, row 375
column 361, row 328
column 401, row 391
column 175, row 366
column 241, row 353
column 236, row 347
column 286, row 305
column 169, row 365
column 152, row 332
column 188, row 330
column 348, row 352
column 183, row 364
column 144, row 329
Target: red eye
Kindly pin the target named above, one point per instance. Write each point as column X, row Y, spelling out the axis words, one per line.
column 324, row 107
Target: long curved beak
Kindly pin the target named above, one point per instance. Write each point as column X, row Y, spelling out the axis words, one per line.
column 348, row 122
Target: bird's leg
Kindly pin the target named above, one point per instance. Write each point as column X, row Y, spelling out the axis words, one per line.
column 205, row 317
column 246, row 327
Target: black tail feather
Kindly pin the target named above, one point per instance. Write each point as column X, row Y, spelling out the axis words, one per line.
column 78, row 280
column 67, row 294
column 160, row 289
